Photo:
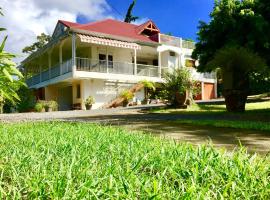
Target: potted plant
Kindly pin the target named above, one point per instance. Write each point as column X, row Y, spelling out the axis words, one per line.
column 178, row 85
column 148, row 86
column 39, row 107
column 127, row 96
column 89, row 102
column 51, row 106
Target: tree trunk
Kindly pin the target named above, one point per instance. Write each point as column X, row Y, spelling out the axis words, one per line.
column 237, row 92
column 235, row 100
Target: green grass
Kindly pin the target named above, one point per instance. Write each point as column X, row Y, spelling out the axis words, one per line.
column 256, row 117
column 58, row 160
column 251, row 125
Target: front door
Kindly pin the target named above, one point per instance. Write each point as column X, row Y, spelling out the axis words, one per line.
column 172, row 62
column 65, row 98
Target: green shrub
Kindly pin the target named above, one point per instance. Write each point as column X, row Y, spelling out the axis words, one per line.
column 52, row 105
column 39, row 107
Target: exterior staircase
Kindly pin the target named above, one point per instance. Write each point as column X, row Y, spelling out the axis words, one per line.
column 118, row 101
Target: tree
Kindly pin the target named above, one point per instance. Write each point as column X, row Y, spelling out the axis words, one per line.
column 179, row 86
column 42, row 40
column 9, row 74
column 236, row 64
column 240, row 25
column 129, row 17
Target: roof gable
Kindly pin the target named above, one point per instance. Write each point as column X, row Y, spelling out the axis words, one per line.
column 148, row 28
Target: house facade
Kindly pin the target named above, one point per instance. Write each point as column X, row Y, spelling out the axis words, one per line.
column 103, row 58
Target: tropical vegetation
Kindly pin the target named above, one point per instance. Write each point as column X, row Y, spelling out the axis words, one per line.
column 11, row 78
column 236, row 24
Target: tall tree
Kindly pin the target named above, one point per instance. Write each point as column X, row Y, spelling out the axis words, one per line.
column 129, row 17
column 234, row 24
column 10, row 76
column 42, row 40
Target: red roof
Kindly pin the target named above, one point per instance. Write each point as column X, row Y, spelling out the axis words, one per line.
column 112, row 27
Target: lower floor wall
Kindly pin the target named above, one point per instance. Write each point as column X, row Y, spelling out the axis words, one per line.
column 74, row 94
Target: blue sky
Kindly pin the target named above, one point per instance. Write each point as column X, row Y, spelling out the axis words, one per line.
column 180, row 17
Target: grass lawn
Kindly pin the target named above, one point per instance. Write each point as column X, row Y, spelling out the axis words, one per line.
column 56, row 160
column 257, row 116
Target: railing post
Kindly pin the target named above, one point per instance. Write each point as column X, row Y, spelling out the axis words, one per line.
column 135, row 61
column 73, row 53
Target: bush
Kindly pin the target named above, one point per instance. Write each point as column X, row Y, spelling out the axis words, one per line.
column 52, row 105
column 39, row 107
column 179, row 82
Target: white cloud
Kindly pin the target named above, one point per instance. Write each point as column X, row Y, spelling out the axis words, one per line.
column 25, row 19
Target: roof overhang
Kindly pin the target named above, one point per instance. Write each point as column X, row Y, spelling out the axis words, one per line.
column 108, row 42
column 108, row 36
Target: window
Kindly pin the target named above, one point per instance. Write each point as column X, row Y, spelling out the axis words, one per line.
column 172, row 53
column 102, row 59
column 78, row 91
column 110, row 61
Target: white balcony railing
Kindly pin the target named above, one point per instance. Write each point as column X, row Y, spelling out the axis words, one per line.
column 92, row 65
column 176, row 42
column 55, row 71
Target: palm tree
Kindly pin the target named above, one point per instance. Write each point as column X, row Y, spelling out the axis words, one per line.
column 129, row 17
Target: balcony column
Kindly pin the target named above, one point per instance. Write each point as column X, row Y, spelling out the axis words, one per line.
column 135, row 61
column 60, row 57
column 159, row 64
column 107, row 60
column 73, row 53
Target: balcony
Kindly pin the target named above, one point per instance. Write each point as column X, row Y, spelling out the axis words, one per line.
column 97, row 66
column 176, row 42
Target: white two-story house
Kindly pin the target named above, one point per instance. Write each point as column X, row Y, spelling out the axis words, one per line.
column 102, row 58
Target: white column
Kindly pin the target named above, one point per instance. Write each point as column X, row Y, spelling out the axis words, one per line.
column 60, row 57
column 73, row 53
column 135, row 61
column 107, row 60
column 215, row 87
column 159, row 64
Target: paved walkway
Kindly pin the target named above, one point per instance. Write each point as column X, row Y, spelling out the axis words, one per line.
column 163, row 125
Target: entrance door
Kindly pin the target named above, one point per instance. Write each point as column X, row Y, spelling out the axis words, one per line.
column 65, row 98
column 172, row 62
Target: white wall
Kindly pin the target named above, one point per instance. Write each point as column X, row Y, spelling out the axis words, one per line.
column 104, row 91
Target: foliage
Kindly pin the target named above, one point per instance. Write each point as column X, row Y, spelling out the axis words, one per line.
column 57, row 160
column 148, row 86
column 127, row 95
column 234, row 23
column 89, row 101
column 180, row 80
column 52, row 105
column 129, row 17
column 9, row 82
column 39, row 107
column 42, row 105
column 237, row 59
column 42, row 40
